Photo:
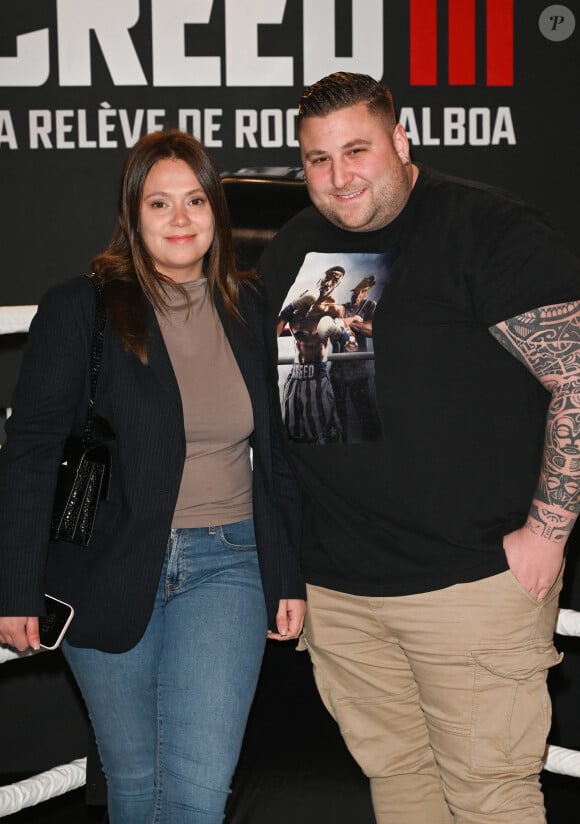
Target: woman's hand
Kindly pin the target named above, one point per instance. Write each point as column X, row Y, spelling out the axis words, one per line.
column 289, row 619
column 20, row 632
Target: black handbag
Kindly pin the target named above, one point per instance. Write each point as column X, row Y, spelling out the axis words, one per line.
column 84, row 472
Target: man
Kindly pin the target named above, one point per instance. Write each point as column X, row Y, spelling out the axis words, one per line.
column 433, row 593
column 311, row 319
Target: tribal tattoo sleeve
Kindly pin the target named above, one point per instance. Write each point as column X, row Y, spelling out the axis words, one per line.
column 547, row 341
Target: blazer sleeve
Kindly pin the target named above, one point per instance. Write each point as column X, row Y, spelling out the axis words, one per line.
column 277, row 489
column 287, row 489
column 289, row 504
column 46, row 407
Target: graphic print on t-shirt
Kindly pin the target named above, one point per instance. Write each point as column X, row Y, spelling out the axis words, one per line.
column 326, row 369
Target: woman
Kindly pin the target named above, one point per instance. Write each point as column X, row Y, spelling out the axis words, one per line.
column 174, row 595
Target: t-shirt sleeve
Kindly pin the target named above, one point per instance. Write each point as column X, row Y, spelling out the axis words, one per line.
column 524, row 264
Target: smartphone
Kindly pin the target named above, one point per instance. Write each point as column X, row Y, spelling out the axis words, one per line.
column 54, row 624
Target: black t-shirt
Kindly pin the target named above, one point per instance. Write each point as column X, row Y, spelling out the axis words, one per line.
column 462, row 421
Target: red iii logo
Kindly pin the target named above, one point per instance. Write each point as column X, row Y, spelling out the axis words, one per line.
column 461, row 42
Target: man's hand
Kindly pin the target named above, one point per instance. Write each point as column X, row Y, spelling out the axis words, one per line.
column 534, row 561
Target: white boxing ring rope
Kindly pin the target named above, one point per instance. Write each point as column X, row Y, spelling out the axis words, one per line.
column 62, row 779
column 15, row 319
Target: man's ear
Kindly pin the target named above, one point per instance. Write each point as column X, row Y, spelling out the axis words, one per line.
column 401, row 144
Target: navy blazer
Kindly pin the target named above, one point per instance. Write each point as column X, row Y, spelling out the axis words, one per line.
column 112, row 582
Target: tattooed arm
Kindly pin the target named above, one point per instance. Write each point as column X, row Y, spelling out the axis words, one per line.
column 547, row 342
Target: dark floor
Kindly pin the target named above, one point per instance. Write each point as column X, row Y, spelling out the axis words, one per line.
column 562, row 802
column 294, row 767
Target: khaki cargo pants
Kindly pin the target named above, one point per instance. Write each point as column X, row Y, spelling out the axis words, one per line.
column 441, row 697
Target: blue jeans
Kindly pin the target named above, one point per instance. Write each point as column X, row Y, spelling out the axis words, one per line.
column 169, row 715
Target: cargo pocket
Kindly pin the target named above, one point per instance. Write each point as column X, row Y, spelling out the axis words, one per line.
column 512, row 711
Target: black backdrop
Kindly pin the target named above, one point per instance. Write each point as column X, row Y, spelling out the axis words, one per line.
column 79, row 79
column 486, row 89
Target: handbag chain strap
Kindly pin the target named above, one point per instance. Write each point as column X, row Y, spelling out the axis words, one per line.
column 96, row 353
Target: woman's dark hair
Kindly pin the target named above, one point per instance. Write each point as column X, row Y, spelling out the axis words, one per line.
column 126, row 267
column 343, row 89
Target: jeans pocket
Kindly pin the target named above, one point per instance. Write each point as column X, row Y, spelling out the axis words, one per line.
column 239, row 535
column 512, row 710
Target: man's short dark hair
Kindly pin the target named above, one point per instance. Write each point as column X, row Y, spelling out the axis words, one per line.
column 343, row 89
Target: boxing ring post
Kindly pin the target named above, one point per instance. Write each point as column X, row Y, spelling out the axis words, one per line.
column 67, row 777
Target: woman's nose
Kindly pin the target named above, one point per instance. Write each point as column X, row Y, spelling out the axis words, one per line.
column 179, row 216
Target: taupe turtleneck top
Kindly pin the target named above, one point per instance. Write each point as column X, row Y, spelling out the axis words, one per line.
column 216, row 486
